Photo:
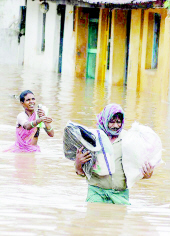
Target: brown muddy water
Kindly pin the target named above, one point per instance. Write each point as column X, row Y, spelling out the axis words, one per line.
column 40, row 194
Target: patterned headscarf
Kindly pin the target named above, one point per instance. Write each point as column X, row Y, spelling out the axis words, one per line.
column 104, row 117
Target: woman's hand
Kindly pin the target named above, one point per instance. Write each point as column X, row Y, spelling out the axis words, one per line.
column 43, row 117
column 81, row 158
column 46, row 119
column 40, row 112
column 147, row 170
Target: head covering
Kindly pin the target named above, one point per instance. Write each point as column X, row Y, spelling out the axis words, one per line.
column 104, row 117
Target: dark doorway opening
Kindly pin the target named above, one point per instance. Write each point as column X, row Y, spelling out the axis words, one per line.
column 128, row 22
column 61, row 11
column 92, row 42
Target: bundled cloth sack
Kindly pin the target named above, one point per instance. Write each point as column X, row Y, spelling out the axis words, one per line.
column 45, row 109
column 96, row 141
column 140, row 144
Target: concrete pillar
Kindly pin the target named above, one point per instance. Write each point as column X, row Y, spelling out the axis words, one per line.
column 68, row 59
column 134, row 49
column 165, row 85
column 52, row 38
column 117, row 68
column 143, row 81
column 31, row 32
column 81, row 38
column 103, row 34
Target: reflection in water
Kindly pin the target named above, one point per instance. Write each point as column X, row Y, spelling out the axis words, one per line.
column 25, row 166
column 40, row 193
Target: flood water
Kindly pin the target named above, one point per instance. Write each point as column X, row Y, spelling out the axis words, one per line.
column 40, row 194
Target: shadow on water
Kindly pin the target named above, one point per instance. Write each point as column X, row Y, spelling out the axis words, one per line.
column 41, row 194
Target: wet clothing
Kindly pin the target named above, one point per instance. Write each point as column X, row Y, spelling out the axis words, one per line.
column 96, row 194
column 110, row 188
column 118, row 179
column 24, row 137
column 22, row 118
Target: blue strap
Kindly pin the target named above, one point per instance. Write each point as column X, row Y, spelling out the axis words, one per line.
column 104, row 153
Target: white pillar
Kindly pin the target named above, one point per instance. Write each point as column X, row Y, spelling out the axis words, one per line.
column 52, row 36
column 68, row 60
column 31, row 33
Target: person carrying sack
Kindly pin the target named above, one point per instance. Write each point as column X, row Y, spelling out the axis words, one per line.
column 109, row 188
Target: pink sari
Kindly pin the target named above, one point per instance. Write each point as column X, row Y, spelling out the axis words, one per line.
column 24, row 138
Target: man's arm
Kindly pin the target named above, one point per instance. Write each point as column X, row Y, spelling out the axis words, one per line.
column 81, row 158
column 147, row 170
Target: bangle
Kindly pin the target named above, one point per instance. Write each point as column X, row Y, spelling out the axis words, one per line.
column 48, row 130
column 32, row 124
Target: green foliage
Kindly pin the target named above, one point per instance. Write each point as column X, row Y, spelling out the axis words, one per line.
column 167, row 4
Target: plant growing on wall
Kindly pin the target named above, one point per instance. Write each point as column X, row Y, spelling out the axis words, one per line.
column 167, row 4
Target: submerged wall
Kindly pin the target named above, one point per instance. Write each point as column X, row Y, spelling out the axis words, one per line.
column 142, row 75
column 152, row 79
column 74, row 53
column 34, row 56
column 11, row 52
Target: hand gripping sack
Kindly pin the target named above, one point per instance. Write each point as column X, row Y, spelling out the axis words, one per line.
column 140, row 144
column 76, row 136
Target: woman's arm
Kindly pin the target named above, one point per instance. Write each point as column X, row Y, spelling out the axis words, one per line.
column 81, row 158
column 49, row 130
column 29, row 125
column 22, row 120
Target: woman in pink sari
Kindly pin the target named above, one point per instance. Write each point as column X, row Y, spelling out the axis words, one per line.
column 27, row 131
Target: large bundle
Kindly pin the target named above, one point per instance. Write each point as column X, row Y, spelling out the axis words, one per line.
column 76, row 136
column 141, row 144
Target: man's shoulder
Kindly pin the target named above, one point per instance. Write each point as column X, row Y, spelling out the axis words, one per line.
column 121, row 136
column 123, row 133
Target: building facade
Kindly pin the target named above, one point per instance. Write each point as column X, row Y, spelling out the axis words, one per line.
column 122, row 42
column 12, row 33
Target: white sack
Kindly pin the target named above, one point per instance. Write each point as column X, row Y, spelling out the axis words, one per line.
column 139, row 145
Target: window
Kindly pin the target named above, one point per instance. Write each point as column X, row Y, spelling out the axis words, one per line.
column 22, row 22
column 43, row 33
column 109, row 40
column 154, row 21
column 62, row 13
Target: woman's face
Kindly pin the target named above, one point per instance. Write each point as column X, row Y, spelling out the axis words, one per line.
column 29, row 102
column 115, row 124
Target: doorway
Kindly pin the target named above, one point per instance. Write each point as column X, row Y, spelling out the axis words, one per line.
column 92, row 43
column 61, row 11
